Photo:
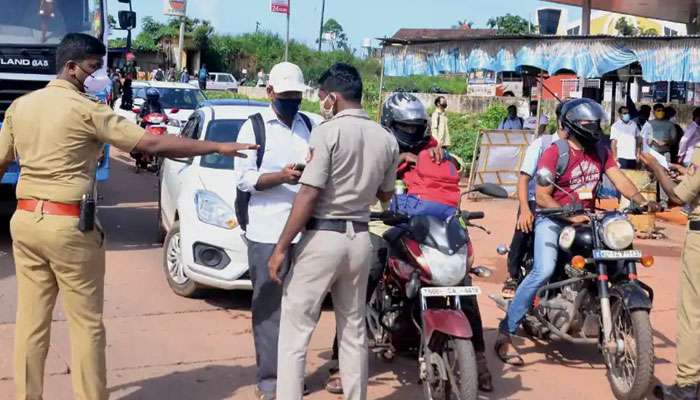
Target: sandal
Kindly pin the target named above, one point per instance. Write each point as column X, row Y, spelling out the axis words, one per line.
column 334, row 384
column 511, row 357
column 509, row 288
column 484, row 376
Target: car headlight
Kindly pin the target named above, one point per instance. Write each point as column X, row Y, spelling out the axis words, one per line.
column 566, row 237
column 445, row 270
column 617, row 232
column 213, row 210
column 174, row 123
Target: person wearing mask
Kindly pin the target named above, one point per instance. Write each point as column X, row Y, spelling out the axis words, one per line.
column 625, row 140
column 531, row 121
column 59, row 148
column 130, row 74
column 271, row 176
column 512, row 120
column 691, row 137
column 343, row 178
column 659, row 134
column 439, row 126
column 643, row 116
column 116, row 87
column 588, row 161
column 202, row 77
column 688, row 344
column 184, row 75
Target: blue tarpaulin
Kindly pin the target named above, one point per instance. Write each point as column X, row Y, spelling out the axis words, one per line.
column 661, row 59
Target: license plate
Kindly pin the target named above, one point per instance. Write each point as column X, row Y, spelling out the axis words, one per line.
column 616, row 255
column 450, row 291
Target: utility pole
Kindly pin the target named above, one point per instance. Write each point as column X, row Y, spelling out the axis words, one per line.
column 286, row 46
column 257, row 26
column 320, row 31
column 180, row 45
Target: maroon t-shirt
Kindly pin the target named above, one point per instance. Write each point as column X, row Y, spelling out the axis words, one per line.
column 581, row 176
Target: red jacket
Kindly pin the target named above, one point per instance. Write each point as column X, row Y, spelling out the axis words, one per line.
column 431, row 181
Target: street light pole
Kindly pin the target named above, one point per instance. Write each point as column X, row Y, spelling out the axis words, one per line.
column 180, row 45
column 320, row 31
column 286, row 46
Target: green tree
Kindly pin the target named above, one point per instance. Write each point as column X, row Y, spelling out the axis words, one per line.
column 509, row 24
column 625, row 28
column 336, row 35
column 463, row 24
column 111, row 21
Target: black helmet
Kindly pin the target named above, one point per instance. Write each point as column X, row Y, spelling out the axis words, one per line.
column 406, row 117
column 582, row 118
column 152, row 95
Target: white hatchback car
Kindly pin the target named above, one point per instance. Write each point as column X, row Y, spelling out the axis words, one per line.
column 219, row 81
column 204, row 246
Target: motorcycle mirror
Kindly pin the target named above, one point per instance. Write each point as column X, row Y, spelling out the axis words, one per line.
column 136, row 110
column 491, row 189
column 545, row 177
column 481, row 271
column 502, row 249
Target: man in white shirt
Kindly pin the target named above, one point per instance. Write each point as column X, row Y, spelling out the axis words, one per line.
column 691, row 137
column 273, row 187
column 626, row 139
column 512, row 121
column 531, row 121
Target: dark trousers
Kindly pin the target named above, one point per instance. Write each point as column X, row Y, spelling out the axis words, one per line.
column 266, row 304
column 203, row 84
column 520, row 245
column 627, row 164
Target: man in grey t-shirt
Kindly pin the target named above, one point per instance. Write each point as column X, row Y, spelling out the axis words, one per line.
column 353, row 164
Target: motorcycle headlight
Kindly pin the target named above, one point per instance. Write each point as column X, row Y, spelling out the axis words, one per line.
column 617, row 232
column 213, row 210
column 566, row 237
column 446, row 270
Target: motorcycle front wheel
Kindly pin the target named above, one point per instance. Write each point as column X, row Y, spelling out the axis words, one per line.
column 459, row 361
column 631, row 371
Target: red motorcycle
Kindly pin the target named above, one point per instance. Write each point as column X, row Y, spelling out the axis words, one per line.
column 154, row 124
column 416, row 305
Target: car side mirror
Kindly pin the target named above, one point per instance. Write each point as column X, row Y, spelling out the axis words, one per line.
column 127, row 19
column 545, row 177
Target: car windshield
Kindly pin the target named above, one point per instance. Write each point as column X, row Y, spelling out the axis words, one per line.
column 223, row 130
column 42, row 22
column 185, row 99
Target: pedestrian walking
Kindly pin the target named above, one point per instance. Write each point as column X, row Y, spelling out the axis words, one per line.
column 271, row 177
column 688, row 343
column 184, row 76
column 202, row 77
column 353, row 163
column 626, row 140
column 58, row 132
column 690, row 139
column 439, row 124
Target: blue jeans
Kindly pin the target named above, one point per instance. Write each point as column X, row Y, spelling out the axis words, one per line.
column 546, row 249
column 412, row 205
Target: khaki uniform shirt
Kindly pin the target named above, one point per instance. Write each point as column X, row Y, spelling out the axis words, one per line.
column 353, row 158
column 56, row 134
column 439, row 128
column 689, row 188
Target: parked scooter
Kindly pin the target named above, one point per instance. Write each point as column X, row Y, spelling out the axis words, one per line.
column 595, row 296
column 416, row 305
column 154, row 124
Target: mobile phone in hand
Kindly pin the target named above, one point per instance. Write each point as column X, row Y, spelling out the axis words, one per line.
column 299, row 167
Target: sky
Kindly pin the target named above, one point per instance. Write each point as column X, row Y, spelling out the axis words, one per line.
column 359, row 18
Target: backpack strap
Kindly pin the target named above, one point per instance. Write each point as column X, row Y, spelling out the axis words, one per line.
column 602, row 153
column 259, row 132
column 563, row 156
column 306, row 120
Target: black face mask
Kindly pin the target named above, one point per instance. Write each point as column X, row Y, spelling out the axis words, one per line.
column 592, row 134
column 287, row 108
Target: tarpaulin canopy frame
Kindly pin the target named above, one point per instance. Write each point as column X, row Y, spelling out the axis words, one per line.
column 662, row 58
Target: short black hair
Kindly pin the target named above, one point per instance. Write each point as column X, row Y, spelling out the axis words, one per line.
column 658, row 106
column 513, row 107
column 78, row 47
column 619, row 110
column 645, row 107
column 670, row 112
column 437, row 100
column 344, row 79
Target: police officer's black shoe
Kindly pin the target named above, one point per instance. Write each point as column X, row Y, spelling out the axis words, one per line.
column 676, row 392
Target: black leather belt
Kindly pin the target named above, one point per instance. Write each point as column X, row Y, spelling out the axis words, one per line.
column 335, row 225
column 694, row 225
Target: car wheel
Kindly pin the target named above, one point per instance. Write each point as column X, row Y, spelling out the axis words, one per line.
column 174, row 266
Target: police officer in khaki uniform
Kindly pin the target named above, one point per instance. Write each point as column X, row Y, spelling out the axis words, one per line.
column 688, row 347
column 57, row 133
column 353, row 164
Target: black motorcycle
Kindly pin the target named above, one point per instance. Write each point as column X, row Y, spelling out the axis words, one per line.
column 595, row 296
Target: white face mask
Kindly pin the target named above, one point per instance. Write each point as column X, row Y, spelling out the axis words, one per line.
column 96, row 83
column 326, row 113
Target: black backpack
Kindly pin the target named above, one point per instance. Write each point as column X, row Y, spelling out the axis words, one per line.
column 243, row 198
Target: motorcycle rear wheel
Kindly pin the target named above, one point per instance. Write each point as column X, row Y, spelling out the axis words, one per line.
column 631, row 373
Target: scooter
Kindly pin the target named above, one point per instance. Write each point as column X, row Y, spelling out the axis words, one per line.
column 416, row 305
column 154, row 124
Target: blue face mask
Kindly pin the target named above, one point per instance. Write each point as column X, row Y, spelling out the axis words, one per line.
column 625, row 117
column 287, row 108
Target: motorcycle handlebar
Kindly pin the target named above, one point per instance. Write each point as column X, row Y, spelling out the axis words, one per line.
column 467, row 215
column 567, row 209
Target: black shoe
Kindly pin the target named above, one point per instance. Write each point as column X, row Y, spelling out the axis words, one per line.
column 675, row 392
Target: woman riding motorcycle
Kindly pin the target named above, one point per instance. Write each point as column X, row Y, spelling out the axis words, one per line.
column 152, row 104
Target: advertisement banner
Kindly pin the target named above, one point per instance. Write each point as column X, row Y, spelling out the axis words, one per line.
column 279, row 6
column 175, row 8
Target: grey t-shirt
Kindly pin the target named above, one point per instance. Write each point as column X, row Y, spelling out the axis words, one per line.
column 353, row 158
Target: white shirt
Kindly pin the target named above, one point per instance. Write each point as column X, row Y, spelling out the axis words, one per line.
column 625, row 134
column 531, row 122
column 511, row 123
column 269, row 209
column 686, row 147
column 532, row 157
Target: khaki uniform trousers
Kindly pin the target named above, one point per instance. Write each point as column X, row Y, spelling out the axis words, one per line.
column 325, row 261
column 51, row 254
column 688, row 351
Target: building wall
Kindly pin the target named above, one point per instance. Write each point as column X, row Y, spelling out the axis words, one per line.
column 603, row 23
